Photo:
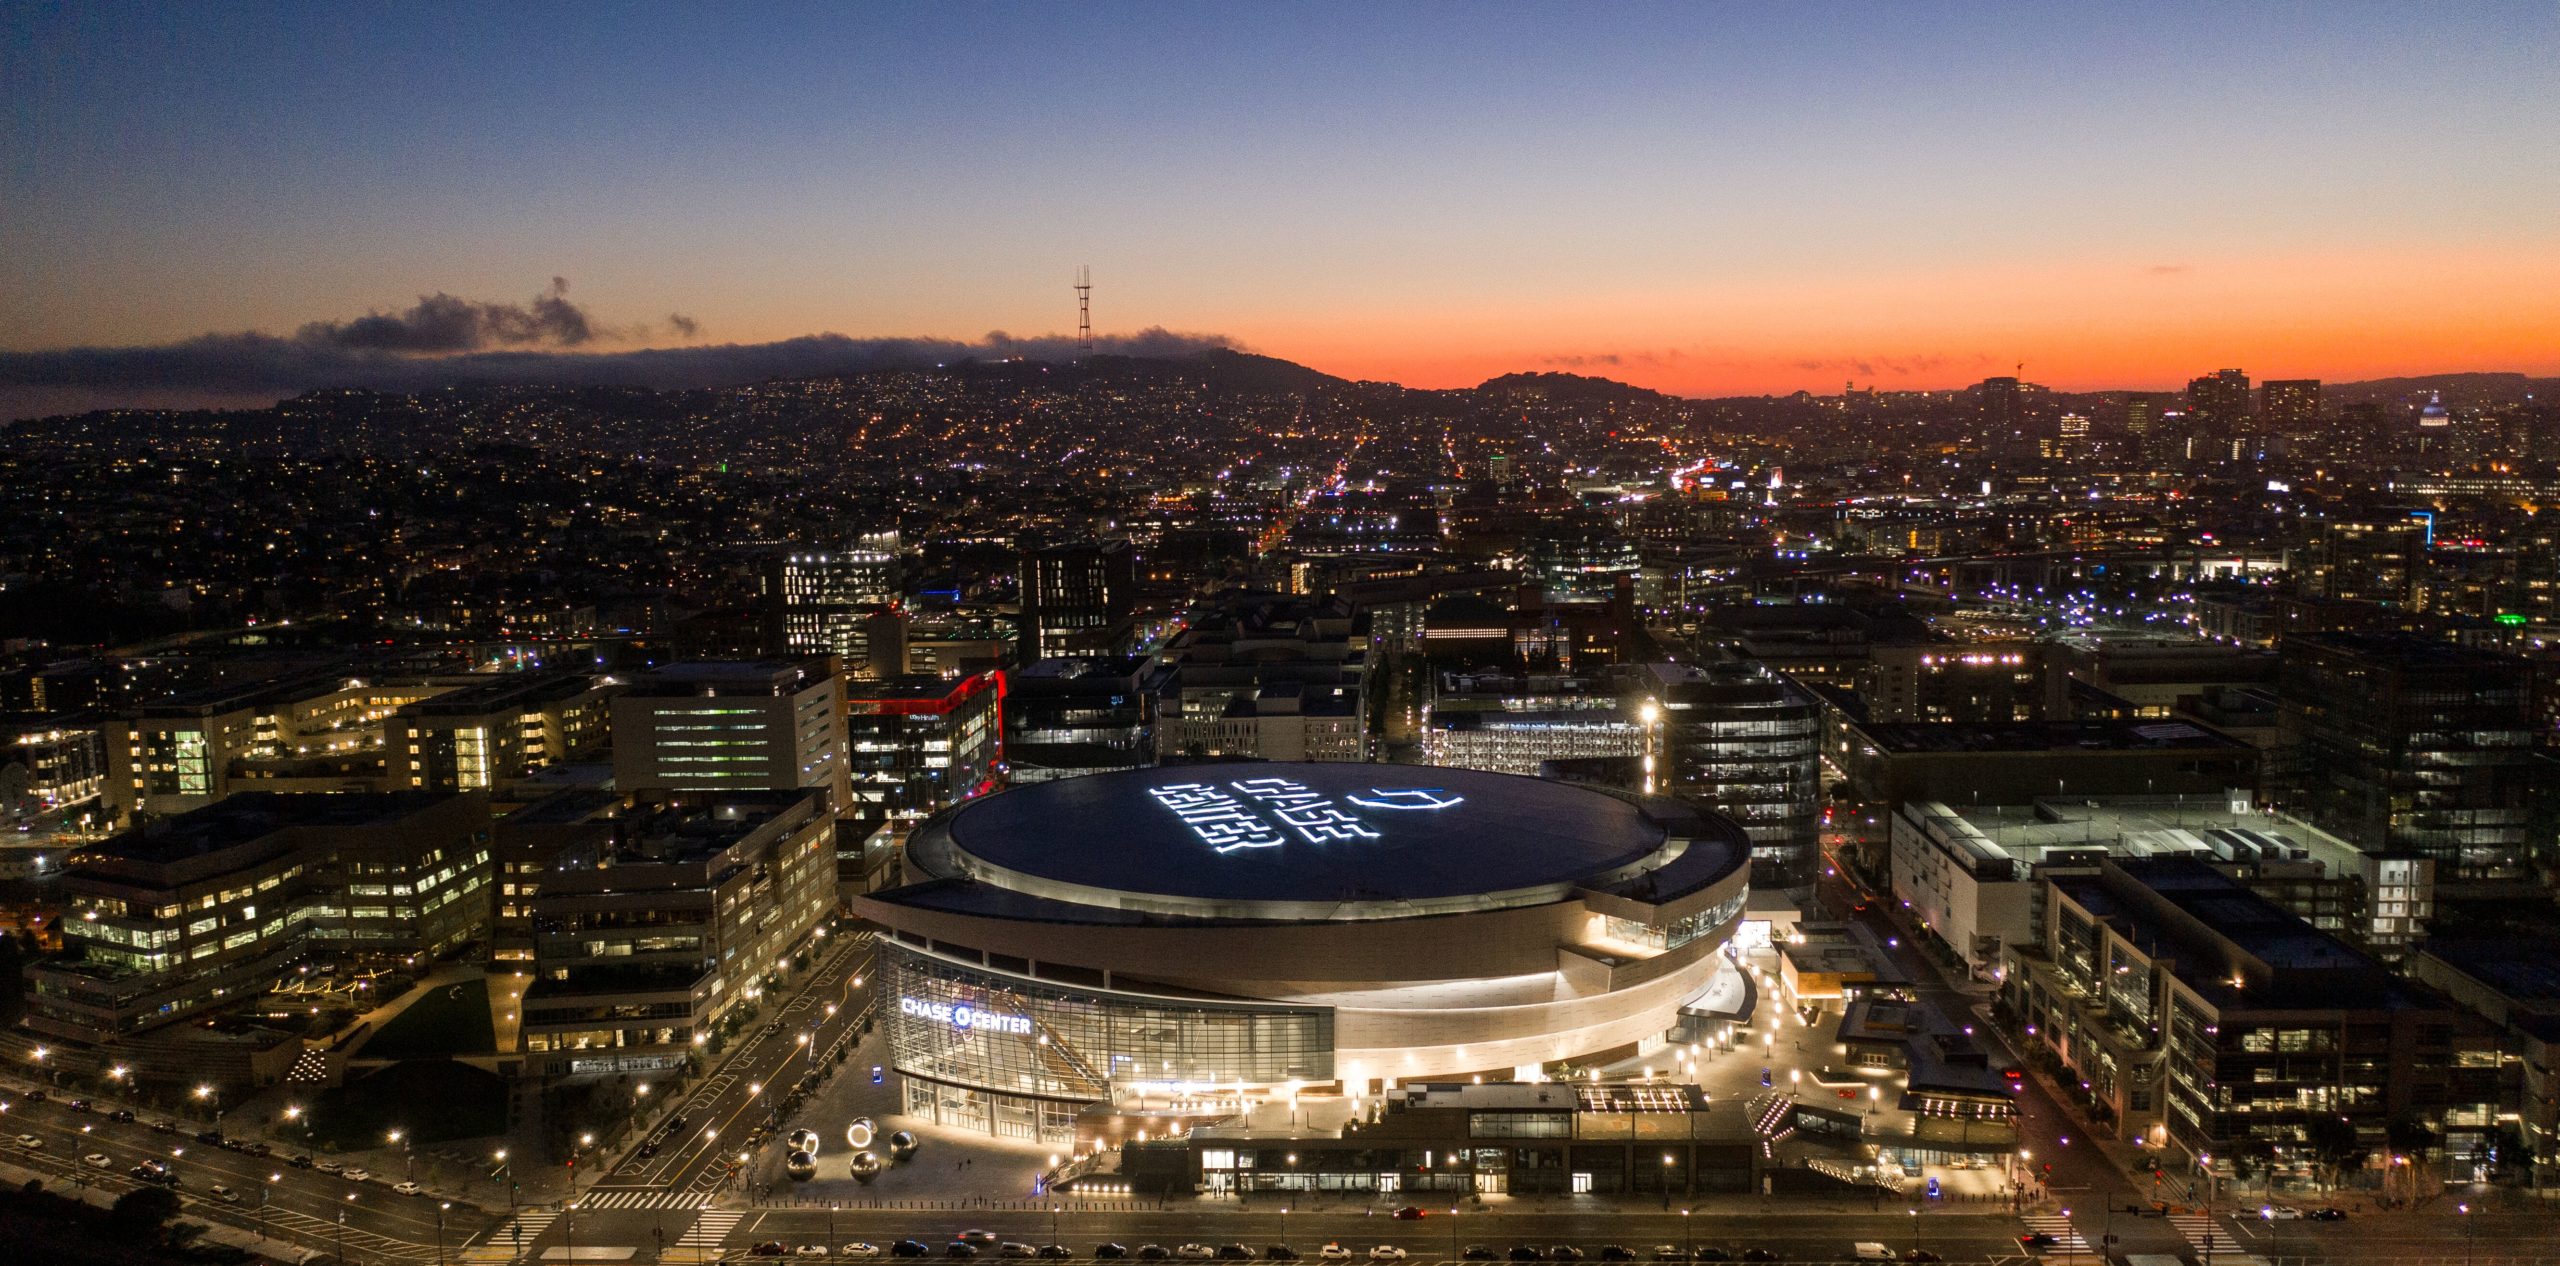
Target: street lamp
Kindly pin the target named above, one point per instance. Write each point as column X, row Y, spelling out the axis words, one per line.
column 2468, row 1226
column 1687, row 1249
column 441, row 1206
column 206, row 1095
column 1666, row 1182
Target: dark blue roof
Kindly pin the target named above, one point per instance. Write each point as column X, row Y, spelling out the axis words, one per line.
column 1278, row 832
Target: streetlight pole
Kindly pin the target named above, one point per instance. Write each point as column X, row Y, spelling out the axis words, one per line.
column 1688, row 1245
column 441, row 1206
column 2468, row 1226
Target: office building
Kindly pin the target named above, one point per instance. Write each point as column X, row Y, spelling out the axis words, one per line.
column 180, row 917
column 1513, row 725
column 492, row 732
column 1064, row 718
column 1075, row 598
column 2020, row 763
column 819, row 602
column 2220, row 411
column 915, row 745
column 765, row 725
column 2405, row 745
column 646, row 937
column 2202, row 1018
column 2289, row 412
column 1747, row 743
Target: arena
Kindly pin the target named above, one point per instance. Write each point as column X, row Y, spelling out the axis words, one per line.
column 1241, row 928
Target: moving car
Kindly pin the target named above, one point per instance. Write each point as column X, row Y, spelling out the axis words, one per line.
column 223, row 1194
column 97, row 1160
column 1409, row 1213
column 79, row 1105
column 983, row 1239
column 2280, row 1213
column 2328, row 1215
column 29, row 1141
column 122, row 1114
column 164, row 1127
column 2037, row 1239
column 408, row 1188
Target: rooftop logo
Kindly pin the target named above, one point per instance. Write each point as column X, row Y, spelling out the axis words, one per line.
column 1265, row 812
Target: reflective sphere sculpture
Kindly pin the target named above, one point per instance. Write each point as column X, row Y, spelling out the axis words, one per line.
column 861, row 1134
column 803, row 1141
column 903, row 1145
column 866, row 1166
column 801, row 1166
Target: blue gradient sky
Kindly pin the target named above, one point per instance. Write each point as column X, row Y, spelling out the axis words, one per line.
column 1702, row 197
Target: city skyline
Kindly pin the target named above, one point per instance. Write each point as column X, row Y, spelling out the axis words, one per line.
column 1706, row 203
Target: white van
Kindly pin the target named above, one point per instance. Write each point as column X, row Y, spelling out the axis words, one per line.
column 1870, row 1251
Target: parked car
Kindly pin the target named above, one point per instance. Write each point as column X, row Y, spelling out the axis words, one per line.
column 909, row 1248
column 1920, row 1255
column 223, row 1194
column 1153, row 1253
column 408, row 1188
column 1669, row 1253
column 209, row 1136
column 960, row 1248
column 1478, row 1253
column 1234, row 1253
column 1280, row 1253
column 982, row 1239
column 1757, row 1255
column 1016, row 1248
column 164, row 1127
column 1333, row 1252
column 1564, row 1253
column 1109, row 1252
column 121, row 1114
column 356, row 1175
column 97, row 1160
column 1709, row 1255
column 1386, row 1253
column 30, row 1141
column 1056, row 1252
column 1194, row 1252
column 1870, row 1251
column 770, row 1248
column 79, row 1105
column 329, row 1167
column 2328, row 1215
column 810, row 1250
column 859, row 1248
column 1526, row 1253
column 2037, row 1239
column 1615, row 1253
column 302, row 1161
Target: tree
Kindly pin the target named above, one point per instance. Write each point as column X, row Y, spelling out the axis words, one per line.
column 2334, row 1141
column 142, row 1211
column 2410, row 1135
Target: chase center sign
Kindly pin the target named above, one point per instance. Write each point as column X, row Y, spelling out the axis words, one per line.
column 1264, row 812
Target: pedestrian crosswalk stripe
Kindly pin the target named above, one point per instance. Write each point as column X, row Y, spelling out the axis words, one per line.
column 643, row 1198
column 511, row 1238
column 2066, row 1237
column 710, row 1229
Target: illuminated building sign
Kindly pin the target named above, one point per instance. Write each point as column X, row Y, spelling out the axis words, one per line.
column 1265, row 812
column 964, row 1017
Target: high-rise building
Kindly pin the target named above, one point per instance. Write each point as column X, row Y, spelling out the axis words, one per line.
column 730, row 726
column 2410, row 745
column 825, row 603
column 2070, row 438
column 2141, row 419
column 1746, row 742
column 1074, row 597
column 2289, row 411
column 919, row 744
column 1997, row 401
column 2363, row 558
column 2219, row 410
column 487, row 734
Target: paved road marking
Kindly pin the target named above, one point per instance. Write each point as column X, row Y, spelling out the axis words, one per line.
column 2066, row 1237
column 644, row 1198
column 710, row 1230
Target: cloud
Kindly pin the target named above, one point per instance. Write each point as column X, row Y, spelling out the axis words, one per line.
column 2165, row 270
column 1891, row 366
column 447, row 342
column 441, row 323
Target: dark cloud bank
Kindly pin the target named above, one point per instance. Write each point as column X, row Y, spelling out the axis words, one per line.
column 444, row 341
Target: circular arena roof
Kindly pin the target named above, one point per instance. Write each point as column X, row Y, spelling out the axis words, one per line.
column 1276, row 840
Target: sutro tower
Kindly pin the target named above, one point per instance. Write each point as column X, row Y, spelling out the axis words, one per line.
column 1084, row 308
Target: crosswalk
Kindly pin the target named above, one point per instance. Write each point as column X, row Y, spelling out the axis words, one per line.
column 512, row 1238
column 643, row 1198
column 711, row 1230
column 2203, row 1233
column 2066, row 1238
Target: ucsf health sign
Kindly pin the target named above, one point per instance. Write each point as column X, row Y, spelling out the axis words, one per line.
column 1266, row 812
column 964, row 1017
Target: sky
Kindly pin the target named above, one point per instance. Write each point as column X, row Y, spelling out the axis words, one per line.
column 1707, row 198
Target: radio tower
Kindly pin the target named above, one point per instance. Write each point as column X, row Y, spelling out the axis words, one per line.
column 1084, row 308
